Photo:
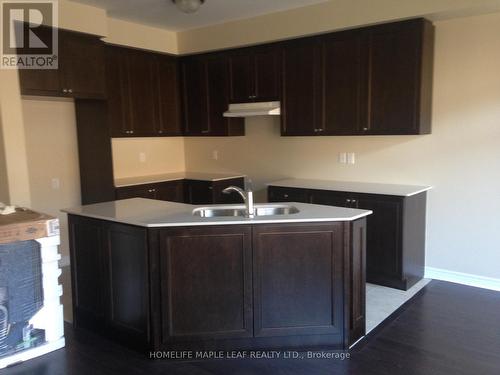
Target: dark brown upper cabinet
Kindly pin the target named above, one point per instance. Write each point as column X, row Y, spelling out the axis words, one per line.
column 302, row 96
column 400, row 65
column 206, row 97
column 255, row 74
column 143, row 91
column 80, row 73
column 370, row 81
column 344, row 84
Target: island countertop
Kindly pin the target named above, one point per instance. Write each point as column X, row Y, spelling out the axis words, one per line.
column 156, row 214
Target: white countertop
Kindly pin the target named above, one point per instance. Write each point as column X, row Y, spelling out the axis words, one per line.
column 352, row 187
column 152, row 213
column 164, row 177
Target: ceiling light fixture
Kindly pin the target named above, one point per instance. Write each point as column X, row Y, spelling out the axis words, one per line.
column 188, row 6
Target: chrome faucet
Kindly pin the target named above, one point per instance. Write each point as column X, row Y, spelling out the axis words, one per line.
column 247, row 198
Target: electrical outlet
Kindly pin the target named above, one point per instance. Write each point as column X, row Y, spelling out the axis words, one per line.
column 215, row 155
column 55, row 183
column 342, row 158
column 142, row 157
column 351, row 158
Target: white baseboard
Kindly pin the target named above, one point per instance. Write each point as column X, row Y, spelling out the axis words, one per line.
column 64, row 262
column 462, row 278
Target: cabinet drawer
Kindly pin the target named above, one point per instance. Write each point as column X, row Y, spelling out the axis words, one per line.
column 280, row 194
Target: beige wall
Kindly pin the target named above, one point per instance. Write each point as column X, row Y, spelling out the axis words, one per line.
column 139, row 36
column 14, row 142
column 4, row 183
column 163, row 155
column 51, row 151
column 319, row 18
column 461, row 158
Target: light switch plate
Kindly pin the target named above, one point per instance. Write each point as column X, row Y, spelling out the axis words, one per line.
column 342, row 158
column 55, row 183
column 351, row 158
column 142, row 157
column 215, row 155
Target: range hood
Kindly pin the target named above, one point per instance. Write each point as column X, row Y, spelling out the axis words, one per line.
column 253, row 109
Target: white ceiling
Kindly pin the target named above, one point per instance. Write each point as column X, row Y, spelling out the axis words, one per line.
column 164, row 14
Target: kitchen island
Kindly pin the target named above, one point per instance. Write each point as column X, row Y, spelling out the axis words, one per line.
column 160, row 276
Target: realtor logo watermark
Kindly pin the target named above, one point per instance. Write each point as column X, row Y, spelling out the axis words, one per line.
column 29, row 34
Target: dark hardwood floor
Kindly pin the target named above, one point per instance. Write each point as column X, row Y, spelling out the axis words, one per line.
column 445, row 329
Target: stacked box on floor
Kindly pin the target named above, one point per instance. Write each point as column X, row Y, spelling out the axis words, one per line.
column 31, row 315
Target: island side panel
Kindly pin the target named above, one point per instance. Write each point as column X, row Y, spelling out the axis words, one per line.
column 355, row 283
column 298, row 280
column 87, row 251
column 414, row 217
column 110, row 277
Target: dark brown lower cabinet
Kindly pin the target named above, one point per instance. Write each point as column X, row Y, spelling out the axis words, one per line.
column 165, row 191
column 228, row 287
column 110, row 279
column 185, row 191
column 395, row 255
column 210, row 192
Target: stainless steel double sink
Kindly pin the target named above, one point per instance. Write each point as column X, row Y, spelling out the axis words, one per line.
column 241, row 211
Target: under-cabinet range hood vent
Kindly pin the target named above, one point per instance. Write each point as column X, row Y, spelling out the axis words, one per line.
column 253, row 109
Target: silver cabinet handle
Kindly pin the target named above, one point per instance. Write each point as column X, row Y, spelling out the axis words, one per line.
column 70, row 90
column 365, row 129
column 65, row 91
column 285, row 195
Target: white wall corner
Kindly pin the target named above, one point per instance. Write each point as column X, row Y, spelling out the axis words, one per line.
column 462, row 278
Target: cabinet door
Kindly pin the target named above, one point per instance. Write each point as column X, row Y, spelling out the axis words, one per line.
column 168, row 101
column 117, row 79
column 195, row 97
column 281, row 194
column 198, row 192
column 128, row 285
column 298, row 280
column 170, row 191
column 218, row 92
column 384, row 246
column 87, row 249
column 142, row 95
column 206, row 283
column 302, row 96
column 394, row 71
column 40, row 81
column 267, row 74
column 242, row 77
column 344, row 84
column 82, row 65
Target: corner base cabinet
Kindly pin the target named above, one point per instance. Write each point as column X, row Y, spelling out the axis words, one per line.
column 395, row 254
column 225, row 287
